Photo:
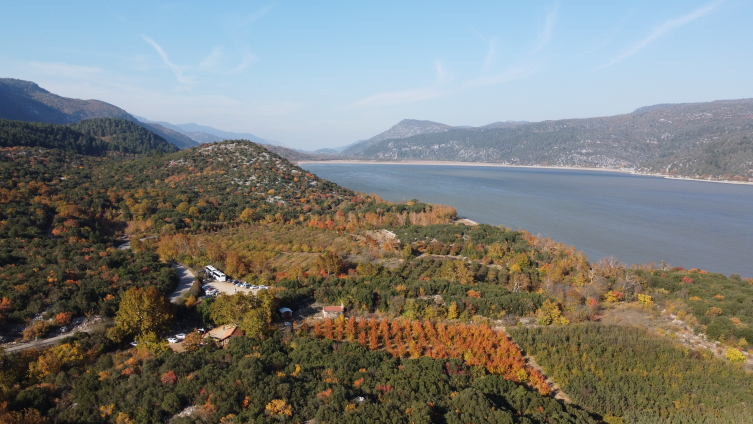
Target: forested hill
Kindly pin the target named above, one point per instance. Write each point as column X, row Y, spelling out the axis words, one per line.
column 90, row 137
column 26, row 101
column 63, row 203
column 698, row 140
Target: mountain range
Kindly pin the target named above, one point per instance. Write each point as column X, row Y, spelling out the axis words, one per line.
column 207, row 134
column 26, row 101
column 712, row 140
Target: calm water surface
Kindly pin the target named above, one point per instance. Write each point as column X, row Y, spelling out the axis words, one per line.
column 638, row 219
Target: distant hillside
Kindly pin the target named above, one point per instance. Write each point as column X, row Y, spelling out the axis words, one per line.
column 327, row 151
column 698, row 140
column 403, row 129
column 26, row 101
column 177, row 138
column 90, row 137
column 202, row 137
column 505, row 124
column 205, row 134
column 295, row 155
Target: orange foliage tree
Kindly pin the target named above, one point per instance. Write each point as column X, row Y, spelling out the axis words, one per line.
column 476, row 345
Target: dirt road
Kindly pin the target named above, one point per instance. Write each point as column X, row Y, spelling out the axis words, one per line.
column 185, row 277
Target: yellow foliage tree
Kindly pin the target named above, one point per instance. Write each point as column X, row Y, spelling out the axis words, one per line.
column 735, row 355
column 645, row 299
column 278, row 407
column 229, row 309
column 714, row 311
column 54, row 359
column 106, row 410
column 141, row 311
column 123, row 418
column 550, row 313
column 452, row 311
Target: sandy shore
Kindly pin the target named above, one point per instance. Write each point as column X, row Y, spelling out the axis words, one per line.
column 503, row 165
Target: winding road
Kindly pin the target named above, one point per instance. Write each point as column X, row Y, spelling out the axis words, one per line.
column 37, row 344
column 186, row 276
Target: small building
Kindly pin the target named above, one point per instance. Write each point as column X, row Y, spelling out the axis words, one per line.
column 286, row 313
column 333, row 311
column 222, row 335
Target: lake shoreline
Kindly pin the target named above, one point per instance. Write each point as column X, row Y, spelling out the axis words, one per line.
column 503, row 165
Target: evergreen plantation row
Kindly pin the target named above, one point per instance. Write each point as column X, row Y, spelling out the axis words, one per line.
column 64, row 202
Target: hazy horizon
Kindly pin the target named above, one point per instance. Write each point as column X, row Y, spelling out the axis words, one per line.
column 326, row 75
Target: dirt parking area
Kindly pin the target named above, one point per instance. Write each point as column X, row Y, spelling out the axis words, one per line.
column 230, row 288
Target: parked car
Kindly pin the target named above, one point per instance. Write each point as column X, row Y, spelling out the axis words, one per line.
column 172, row 340
column 180, row 336
column 134, row 344
column 200, row 330
column 254, row 287
column 246, row 286
column 263, row 287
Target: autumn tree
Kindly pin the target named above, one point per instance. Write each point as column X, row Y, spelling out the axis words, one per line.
column 550, row 313
column 54, row 359
column 248, row 215
column 255, row 323
column 5, row 307
column 329, row 262
column 229, row 309
column 193, row 341
column 141, row 311
column 452, row 311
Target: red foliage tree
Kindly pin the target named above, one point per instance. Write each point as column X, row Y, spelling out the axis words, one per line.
column 169, row 377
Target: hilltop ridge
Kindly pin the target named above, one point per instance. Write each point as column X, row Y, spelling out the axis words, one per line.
column 403, row 129
column 26, row 101
column 712, row 140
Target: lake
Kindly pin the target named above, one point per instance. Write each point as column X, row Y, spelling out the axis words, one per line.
column 638, row 219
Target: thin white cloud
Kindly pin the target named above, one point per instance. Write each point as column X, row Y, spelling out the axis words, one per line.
column 481, row 36
column 214, row 62
column 247, row 58
column 442, row 76
column 489, row 56
column 439, row 89
column 258, row 14
column 546, row 32
column 442, row 86
column 177, row 71
column 663, row 29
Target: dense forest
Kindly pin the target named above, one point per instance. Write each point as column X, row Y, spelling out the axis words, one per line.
column 429, row 302
column 90, row 137
column 626, row 372
column 292, row 380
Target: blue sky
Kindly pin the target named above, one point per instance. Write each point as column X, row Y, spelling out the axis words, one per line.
column 319, row 74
